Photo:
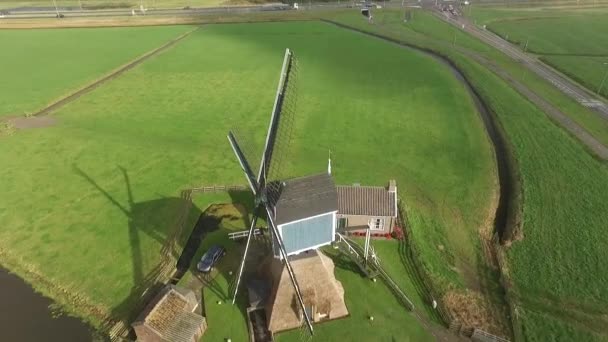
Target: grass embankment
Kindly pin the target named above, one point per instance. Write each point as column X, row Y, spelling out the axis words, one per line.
column 380, row 119
column 557, row 270
column 572, row 42
column 46, row 65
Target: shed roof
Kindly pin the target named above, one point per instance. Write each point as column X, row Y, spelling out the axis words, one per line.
column 170, row 314
column 366, row 200
column 306, row 197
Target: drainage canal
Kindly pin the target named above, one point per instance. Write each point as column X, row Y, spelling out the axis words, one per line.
column 25, row 315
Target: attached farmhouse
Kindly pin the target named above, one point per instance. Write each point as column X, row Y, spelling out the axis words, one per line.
column 174, row 315
column 363, row 207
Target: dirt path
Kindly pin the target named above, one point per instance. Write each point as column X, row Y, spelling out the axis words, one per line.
column 62, row 102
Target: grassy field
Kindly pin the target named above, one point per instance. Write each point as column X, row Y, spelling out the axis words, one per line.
column 484, row 15
column 170, row 134
column 581, row 34
column 71, row 58
column 573, row 42
column 589, row 71
column 559, row 263
column 429, row 31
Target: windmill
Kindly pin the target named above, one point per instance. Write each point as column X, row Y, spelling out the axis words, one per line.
column 301, row 215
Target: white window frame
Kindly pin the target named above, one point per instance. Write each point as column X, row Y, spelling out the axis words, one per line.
column 376, row 223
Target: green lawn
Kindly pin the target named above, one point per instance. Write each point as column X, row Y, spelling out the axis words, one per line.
column 392, row 322
column 44, row 65
column 364, row 298
column 67, row 181
column 559, row 263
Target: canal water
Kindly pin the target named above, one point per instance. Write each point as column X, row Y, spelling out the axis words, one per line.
column 25, row 315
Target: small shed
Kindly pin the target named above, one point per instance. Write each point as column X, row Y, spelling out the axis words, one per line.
column 172, row 316
column 363, row 207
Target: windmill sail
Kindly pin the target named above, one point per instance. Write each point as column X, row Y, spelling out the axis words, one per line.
column 267, row 192
column 275, row 116
column 253, row 183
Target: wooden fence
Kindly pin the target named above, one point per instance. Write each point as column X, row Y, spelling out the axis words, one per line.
column 431, row 293
column 518, row 334
column 413, row 255
column 219, row 188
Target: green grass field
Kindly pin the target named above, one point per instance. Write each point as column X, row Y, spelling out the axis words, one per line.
column 80, row 223
column 591, row 72
column 429, row 31
column 559, row 262
column 560, row 35
column 45, row 65
column 574, row 43
column 557, row 269
column 485, row 15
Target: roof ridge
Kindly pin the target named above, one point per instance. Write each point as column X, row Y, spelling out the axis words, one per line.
column 304, row 177
column 362, row 186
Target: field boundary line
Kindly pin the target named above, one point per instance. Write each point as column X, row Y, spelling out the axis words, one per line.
column 113, row 74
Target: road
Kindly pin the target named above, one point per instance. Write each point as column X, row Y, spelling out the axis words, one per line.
column 566, row 86
column 125, row 12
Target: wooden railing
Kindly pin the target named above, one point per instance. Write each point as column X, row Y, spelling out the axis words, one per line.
column 219, row 188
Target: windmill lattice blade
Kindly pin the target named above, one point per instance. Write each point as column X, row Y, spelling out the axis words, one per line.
column 244, row 163
column 279, row 167
column 275, row 116
column 292, row 276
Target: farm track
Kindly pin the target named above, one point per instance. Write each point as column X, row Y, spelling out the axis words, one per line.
column 112, row 75
column 504, row 168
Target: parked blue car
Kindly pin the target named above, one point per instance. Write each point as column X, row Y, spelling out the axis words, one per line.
column 210, row 258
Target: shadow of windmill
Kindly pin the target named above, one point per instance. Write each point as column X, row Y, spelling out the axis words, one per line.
column 149, row 218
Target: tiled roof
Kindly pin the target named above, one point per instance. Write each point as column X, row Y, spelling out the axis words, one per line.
column 306, row 197
column 183, row 327
column 172, row 319
column 366, row 200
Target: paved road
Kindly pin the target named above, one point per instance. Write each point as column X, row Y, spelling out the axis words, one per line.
column 568, row 87
column 125, row 12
